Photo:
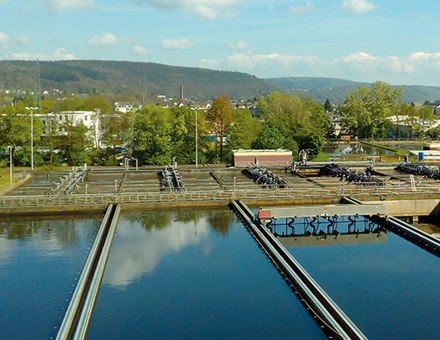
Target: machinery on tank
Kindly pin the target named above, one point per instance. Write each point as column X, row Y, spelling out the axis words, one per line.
column 419, row 170
column 264, row 177
column 171, row 180
column 351, row 176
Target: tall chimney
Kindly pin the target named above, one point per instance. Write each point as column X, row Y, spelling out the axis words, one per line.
column 181, row 91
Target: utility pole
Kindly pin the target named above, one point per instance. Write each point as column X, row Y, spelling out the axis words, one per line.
column 197, row 154
column 196, row 109
column 38, row 84
column 32, row 134
column 10, row 164
column 144, row 95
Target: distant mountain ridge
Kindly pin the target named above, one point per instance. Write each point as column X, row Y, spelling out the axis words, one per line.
column 336, row 89
column 133, row 78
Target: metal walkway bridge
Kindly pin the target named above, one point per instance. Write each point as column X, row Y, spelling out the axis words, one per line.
column 79, row 313
column 328, row 315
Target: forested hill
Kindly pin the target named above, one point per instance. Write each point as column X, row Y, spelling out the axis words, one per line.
column 133, row 78
column 336, row 89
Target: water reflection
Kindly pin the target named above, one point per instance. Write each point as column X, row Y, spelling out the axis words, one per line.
column 143, row 240
column 195, row 278
column 41, row 229
column 220, row 222
column 319, row 231
column 47, row 236
column 355, row 149
column 39, row 264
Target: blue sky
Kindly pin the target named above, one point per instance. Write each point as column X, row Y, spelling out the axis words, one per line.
column 388, row 40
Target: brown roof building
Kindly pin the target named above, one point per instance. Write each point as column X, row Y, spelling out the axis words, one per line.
column 269, row 157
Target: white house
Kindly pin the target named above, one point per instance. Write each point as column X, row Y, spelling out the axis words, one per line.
column 90, row 119
column 125, row 107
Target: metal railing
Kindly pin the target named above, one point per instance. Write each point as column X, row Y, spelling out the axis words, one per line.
column 312, row 192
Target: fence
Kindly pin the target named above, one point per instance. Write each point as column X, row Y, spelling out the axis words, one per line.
column 300, row 193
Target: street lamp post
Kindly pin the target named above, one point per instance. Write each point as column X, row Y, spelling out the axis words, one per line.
column 32, row 134
column 196, row 109
column 197, row 154
column 10, row 164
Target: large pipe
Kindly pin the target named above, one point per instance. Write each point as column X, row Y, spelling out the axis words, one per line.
column 68, row 326
column 89, row 303
column 406, row 230
column 335, row 319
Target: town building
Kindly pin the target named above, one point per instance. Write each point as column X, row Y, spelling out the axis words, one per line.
column 268, row 157
column 59, row 121
column 126, row 107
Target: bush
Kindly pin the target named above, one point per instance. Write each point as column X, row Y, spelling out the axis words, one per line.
column 49, row 167
column 321, row 157
column 111, row 162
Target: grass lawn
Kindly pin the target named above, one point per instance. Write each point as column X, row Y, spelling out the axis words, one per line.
column 321, row 157
column 4, row 181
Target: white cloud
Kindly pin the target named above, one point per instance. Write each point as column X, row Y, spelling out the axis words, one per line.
column 272, row 60
column 60, row 6
column 3, row 38
column 169, row 44
column 139, row 253
column 206, row 9
column 301, row 9
column 241, row 45
column 206, row 12
column 421, row 18
column 27, row 56
column 416, row 69
column 138, row 50
column 210, row 63
column 60, row 54
column 63, row 54
column 105, row 40
column 22, row 40
column 271, row 9
column 357, row 7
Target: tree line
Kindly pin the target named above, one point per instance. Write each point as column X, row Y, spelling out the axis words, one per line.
column 379, row 112
column 155, row 135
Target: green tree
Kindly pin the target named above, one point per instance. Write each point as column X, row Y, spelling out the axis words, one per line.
column 328, row 106
column 269, row 138
column 184, row 133
column 69, row 104
column 244, row 130
column 101, row 103
column 113, row 127
column 15, row 131
column 320, row 121
column 150, row 134
column 365, row 111
column 220, row 118
column 301, row 121
column 74, row 140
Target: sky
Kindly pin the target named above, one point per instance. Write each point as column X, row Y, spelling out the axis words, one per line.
column 388, row 40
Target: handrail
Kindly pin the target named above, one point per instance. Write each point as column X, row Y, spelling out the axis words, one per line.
column 89, row 303
column 78, row 314
column 65, row 330
column 330, row 313
column 299, row 192
column 406, row 230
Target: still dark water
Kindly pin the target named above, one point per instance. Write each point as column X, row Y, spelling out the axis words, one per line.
column 39, row 262
column 194, row 275
column 390, row 289
column 359, row 149
column 200, row 275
